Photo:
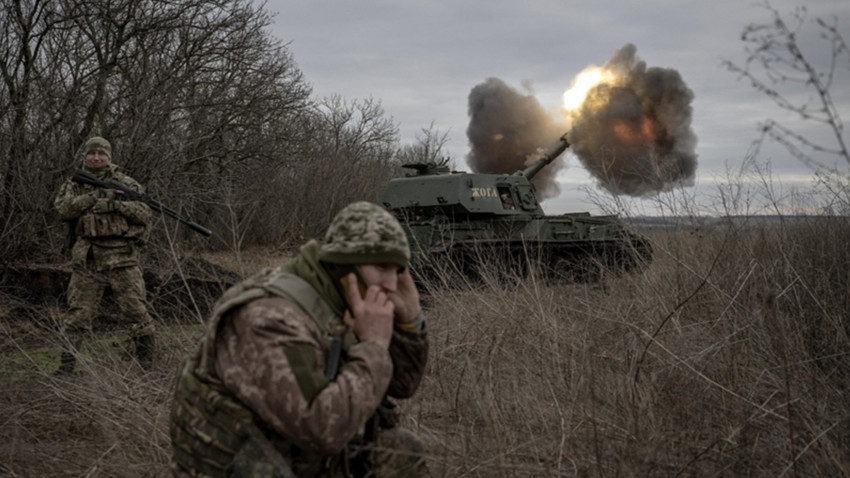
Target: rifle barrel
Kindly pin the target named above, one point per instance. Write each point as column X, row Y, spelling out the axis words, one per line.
column 85, row 177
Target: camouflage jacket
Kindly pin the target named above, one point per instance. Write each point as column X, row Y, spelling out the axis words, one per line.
column 112, row 239
column 269, row 359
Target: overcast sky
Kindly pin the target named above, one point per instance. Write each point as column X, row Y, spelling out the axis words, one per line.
column 422, row 58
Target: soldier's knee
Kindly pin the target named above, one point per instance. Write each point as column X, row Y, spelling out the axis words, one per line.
column 400, row 439
column 143, row 328
column 79, row 320
column 399, row 453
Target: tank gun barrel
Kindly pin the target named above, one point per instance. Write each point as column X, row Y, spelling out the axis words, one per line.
column 550, row 156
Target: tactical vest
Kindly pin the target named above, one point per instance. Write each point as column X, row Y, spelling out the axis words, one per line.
column 108, row 225
column 212, row 432
column 111, row 225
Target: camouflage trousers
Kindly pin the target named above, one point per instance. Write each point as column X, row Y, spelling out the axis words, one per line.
column 398, row 453
column 85, row 292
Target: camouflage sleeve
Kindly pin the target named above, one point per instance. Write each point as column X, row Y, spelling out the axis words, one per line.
column 269, row 354
column 409, row 351
column 136, row 212
column 132, row 184
column 72, row 202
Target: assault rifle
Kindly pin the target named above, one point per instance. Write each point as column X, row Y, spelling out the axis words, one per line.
column 85, row 177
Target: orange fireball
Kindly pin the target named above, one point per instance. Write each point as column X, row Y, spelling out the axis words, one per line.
column 643, row 132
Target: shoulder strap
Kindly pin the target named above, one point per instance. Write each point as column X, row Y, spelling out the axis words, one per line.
column 267, row 282
column 303, row 294
column 299, row 291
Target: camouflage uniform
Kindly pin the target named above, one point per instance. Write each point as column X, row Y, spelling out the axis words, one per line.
column 104, row 251
column 260, row 379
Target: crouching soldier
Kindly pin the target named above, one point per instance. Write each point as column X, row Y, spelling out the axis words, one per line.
column 295, row 373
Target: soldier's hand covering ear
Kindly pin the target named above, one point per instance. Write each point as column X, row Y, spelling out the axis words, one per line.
column 406, row 299
column 370, row 317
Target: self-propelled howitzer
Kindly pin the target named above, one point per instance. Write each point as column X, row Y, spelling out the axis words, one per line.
column 459, row 221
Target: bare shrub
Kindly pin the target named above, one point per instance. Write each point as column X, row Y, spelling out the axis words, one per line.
column 184, row 91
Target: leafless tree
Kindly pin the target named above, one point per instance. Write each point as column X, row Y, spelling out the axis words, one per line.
column 202, row 105
column 184, row 90
column 347, row 154
column 801, row 82
column 429, row 148
column 24, row 27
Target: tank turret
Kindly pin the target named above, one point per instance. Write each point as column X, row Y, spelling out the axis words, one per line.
column 460, row 219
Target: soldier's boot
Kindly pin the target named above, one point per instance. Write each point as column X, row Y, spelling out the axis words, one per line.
column 67, row 362
column 68, row 359
column 145, row 348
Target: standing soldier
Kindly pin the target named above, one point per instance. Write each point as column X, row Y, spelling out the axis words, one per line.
column 105, row 237
column 293, row 374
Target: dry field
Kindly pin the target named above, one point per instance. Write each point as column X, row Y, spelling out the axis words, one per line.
column 728, row 356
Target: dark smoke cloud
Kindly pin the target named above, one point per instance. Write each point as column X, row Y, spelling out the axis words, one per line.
column 634, row 133
column 507, row 127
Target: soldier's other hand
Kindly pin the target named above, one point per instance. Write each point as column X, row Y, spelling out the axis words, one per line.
column 406, row 298
column 104, row 205
column 370, row 316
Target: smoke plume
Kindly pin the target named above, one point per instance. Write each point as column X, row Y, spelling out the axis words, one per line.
column 506, row 129
column 633, row 130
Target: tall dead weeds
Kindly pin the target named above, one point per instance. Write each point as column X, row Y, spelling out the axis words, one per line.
column 727, row 356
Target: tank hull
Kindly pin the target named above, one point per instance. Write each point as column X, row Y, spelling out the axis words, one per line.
column 572, row 247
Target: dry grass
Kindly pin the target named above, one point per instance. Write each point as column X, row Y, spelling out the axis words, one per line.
column 110, row 419
column 247, row 262
column 728, row 356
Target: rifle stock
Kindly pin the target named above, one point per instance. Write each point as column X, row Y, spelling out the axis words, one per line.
column 85, row 177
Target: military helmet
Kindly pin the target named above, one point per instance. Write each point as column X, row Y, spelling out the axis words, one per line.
column 97, row 143
column 365, row 233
